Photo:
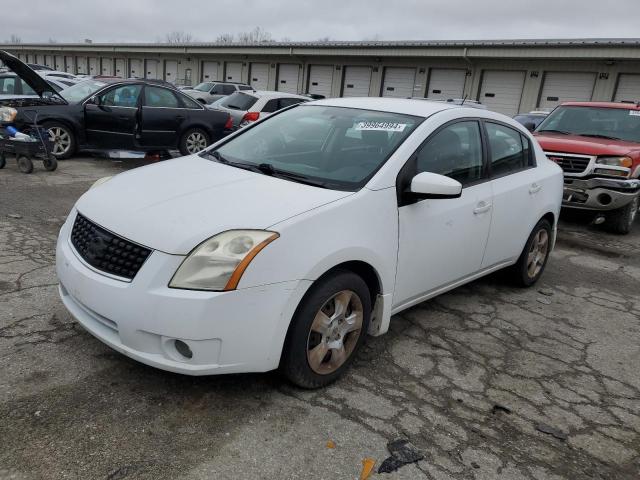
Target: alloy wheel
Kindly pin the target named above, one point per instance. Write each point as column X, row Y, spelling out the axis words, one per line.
column 335, row 332
column 196, row 142
column 61, row 139
column 538, row 253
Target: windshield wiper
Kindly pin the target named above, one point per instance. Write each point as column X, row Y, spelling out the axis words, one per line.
column 554, row 131
column 597, row 135
column 217, row 156
column 270, row 170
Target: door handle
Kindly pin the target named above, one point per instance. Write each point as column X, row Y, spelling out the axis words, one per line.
column 482, row 207
column 180, row 117
column 534, row 188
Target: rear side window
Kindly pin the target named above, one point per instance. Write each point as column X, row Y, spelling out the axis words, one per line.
column 510, row 150
column 287, row 102
column 7, row 85
column 159, row 97
column 239, row 101
column 190, row 103
column 244, row 87
column 228, row 89
column 271, row 106
column 455, row 151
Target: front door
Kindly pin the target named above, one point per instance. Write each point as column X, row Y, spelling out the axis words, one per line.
column 113, row 121
column 442, row 241
column 162, row 114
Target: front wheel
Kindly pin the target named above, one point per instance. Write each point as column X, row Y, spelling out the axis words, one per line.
column 50, row 163
column 533, row 259
column 63, row 138
column 194, row 141
column 621, row 220
column 327, row 330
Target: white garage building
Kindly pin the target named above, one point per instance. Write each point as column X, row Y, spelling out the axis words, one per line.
column 509, row 76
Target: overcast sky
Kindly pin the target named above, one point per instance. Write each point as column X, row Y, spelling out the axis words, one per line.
column 150, row 20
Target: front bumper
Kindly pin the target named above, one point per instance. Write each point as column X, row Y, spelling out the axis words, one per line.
column 227, row 332
column 600, row 194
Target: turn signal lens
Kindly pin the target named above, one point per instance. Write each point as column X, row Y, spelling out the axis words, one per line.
column 614, row 173
column 625, row 162
column 229, row 124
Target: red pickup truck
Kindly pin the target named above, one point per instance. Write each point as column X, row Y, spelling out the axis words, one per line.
column 597, row 144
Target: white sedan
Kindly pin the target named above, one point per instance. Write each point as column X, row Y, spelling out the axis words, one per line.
column 286, row 243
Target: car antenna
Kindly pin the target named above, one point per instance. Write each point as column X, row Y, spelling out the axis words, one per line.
column 464, row 99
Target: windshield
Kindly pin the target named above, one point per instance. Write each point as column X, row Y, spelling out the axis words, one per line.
column 599, row 122
column 203, row 87
column 239, row 101
column 335, row 147
column 82, row 90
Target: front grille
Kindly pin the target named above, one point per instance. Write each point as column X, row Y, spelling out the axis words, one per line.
column 107, row 251
column 570, row 164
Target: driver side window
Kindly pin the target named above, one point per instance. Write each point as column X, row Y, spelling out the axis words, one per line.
column 455, row 151
column 125, row 96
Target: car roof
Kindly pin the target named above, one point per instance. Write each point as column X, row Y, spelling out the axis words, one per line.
column 622, row 105
column 420, row 108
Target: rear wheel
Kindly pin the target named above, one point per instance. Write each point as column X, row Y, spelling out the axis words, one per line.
column 533, row 259
column 621, row 220
column 25, row 164
column 194, row 141
column 63, row 138
column 327, row 330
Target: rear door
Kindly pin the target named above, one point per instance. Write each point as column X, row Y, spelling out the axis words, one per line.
column 112, row 123
column 162, row 114
column 501, row 91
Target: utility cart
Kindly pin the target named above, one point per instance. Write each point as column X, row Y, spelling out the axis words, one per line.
column 36, row 145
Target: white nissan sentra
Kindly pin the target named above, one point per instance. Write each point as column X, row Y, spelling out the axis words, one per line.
column 288, row 242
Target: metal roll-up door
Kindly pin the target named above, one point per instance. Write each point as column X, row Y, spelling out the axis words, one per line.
column 171, row 71
column 259, row 76
column 81, row 65
column 121, row 68
column 48, row 61
column 628, row 89
column 209, row 71
column 357, row 81
column 68, row 64
column 107, row 66
column 321, row 80
column 446, row 83
column 288, row 77
column 136, row 68
column 399, row 82
column 94, row 68
column 59, row 63
column 233, row 72
column 501, row 91
column 151, row 69
column 561, row 87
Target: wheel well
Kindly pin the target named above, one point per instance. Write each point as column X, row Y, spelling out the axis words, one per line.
column 550, row 217
column 364, row 271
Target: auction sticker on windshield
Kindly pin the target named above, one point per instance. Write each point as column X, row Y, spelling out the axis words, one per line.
column 381, row 126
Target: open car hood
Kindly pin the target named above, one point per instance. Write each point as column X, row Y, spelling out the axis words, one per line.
column 35, row 81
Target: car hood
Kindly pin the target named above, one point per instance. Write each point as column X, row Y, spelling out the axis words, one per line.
column 585, row 145
column 175, row 205
column 35, row 81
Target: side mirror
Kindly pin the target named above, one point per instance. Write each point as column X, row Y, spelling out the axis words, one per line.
column 529, row 126
column 431, row 185
column 95, row 100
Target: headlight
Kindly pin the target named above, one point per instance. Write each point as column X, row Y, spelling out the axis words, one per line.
column 100, row 181
column 615, row 161
column 8, row 114
column 217, row 264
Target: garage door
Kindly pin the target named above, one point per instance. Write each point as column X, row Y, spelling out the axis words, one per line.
column 233, row 72
column 357, row 81
column 171, row 71
column 107, row 66
column 121, row 68
column 561, row 87
column 94, row 66
column 288, row 77
column 628, row 89
column 48, row 61
column 136, row 69
column 446, row 83
column 398, row 82
column 81, row 65
column 59, row 62
column 151, row 69
column 259, row 76
column 321, row 80
column 501, row 91
column 209, row 71
column 68, row 64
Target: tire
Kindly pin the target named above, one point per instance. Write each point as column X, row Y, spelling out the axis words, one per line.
column 533, row 259
column 3, row 161
column 50, row 164
column 64, row 139
column 621, row 220
column 25, row 164
column 193, row 141
column 312, row 359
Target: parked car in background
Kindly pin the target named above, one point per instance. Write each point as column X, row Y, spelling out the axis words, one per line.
column 531, row 120
column 597, row 144
column 38, row 67
column 246, row 107
column 12, row 85
column 60, row 84
column 287, row 243
column 115, row 114
column 208, row 92
column 56, row 74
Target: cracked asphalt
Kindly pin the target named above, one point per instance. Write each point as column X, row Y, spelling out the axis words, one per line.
column 487, row 382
